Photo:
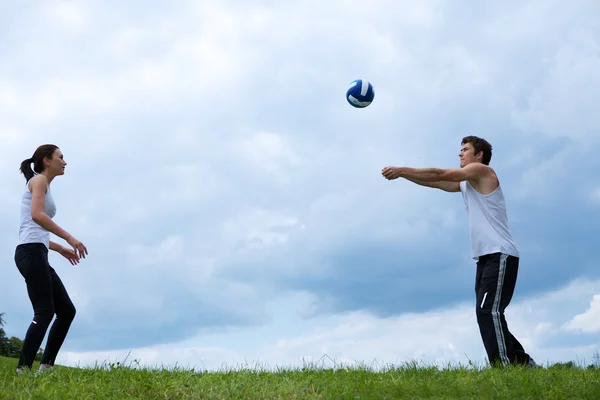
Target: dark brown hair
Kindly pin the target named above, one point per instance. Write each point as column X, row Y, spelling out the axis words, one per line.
column 479, row 145
column 42, row 152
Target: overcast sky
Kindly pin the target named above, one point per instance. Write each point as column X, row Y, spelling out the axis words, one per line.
column 232, row 201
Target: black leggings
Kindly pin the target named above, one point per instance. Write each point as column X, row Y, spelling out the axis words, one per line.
column 48, row 296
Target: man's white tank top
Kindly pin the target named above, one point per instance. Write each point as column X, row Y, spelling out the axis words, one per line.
column 30, row 231
column 488, row 222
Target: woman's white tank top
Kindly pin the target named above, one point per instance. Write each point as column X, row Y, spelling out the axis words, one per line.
column 30, row 231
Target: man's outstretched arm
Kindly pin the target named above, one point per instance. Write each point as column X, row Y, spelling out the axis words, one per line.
column 445, row 179
column 442, row 185
column 471, row 171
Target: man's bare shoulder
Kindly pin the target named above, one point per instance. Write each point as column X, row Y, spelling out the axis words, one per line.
column 485, row 180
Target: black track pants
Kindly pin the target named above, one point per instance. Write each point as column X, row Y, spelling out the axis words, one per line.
column 494, row 287
column 48, row 297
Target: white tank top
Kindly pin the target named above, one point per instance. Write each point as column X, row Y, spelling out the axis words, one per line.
column 30, row 231
column 488, row 222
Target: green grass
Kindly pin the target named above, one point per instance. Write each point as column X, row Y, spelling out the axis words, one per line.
column 406, row 382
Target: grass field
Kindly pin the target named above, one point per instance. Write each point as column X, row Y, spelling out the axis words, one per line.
column 407, row 382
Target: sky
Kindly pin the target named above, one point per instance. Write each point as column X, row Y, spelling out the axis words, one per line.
column 232, row 201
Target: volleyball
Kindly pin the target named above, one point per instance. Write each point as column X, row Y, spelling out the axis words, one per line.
column 360, row 93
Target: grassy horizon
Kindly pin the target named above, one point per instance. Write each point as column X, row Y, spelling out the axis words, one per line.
column 409, row 381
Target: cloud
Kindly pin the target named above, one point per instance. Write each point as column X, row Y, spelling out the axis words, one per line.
column 552, row 109
column 214, row 166
column 68, row 15
column 588, row 321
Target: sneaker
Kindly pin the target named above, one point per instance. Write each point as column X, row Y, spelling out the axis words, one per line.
column 45, row 370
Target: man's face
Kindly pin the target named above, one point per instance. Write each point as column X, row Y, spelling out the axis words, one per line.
column 467, row 155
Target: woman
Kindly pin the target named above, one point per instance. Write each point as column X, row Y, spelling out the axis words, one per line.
column 46, row 291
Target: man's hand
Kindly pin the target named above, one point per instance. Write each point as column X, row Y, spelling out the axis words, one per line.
column 390, row 173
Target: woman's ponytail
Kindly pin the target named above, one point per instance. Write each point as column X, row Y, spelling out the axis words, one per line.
column 26, row 169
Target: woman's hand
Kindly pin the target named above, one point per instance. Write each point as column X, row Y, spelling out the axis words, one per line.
column 70, row 255
column 78, row 247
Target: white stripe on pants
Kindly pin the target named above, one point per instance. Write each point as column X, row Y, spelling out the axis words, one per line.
column 496, row 311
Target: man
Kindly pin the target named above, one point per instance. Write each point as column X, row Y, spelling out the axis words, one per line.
column 492, row 244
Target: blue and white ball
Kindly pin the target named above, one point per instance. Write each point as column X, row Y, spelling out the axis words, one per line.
column 360, row 93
